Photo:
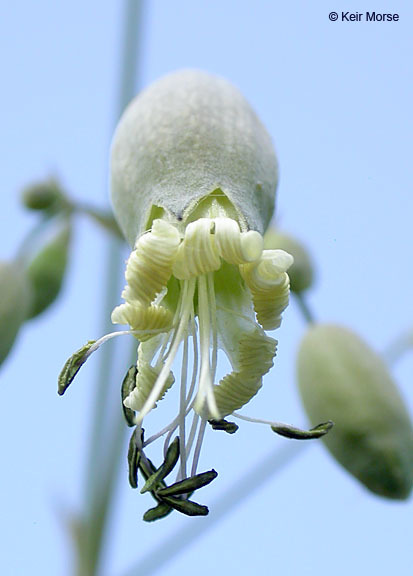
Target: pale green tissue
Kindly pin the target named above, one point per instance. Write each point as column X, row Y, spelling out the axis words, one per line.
column 14, row 302
column 186, row 136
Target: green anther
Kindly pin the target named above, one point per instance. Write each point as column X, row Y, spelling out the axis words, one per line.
column 157, row 513
column 147, row 467
column 172, row 456
column 134, row 455
column 187, row 507
column 128, row 384
column 229, row 427
column 72, row 367
column 189, row 484
column 298, row 434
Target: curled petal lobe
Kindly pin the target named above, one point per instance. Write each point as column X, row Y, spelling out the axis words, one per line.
column 198, row 253
column 150, row 265
column 149, row 320
column 234, row 246
column 269, row 284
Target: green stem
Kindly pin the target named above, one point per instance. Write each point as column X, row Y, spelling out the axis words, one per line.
column 104, row 218
column 399, row 347
column 304, row 308
column 236, row 494
column 108, row 428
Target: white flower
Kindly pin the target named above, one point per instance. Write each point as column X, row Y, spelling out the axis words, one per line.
column 203, row 284
column 193, row 177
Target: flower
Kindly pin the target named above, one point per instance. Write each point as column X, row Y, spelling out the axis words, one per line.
column 193, row 179
column 212, row 284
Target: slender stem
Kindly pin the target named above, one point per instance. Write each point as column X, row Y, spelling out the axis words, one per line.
column 304, row 308
column 108, row 429
column 236, row 494
column 102, row 217
column 398, row 348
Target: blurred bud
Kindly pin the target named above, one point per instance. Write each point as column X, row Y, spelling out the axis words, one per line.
column 301, row 272
column 47, row 196
column 342, row 379
column 46, row 271
column 14, row 301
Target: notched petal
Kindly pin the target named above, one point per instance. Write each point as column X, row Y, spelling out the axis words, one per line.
column 254, row 358
column 150, row 265
column 269, row 285
column 234, row 246
column 146, row 320
column 198, row 253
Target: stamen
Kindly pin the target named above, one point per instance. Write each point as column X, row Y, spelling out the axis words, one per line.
column 192, row 433
column 188, row 295
column 171, row 427
column 213, row 308
column 255, row 420
column 206, row 387
column 198, row 446
column 195, row 361
column 182, row 409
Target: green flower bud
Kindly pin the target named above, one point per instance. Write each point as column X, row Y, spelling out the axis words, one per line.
column 301, row 272
column 14, row 301
column 188, row 135
column 47, row 196
column 46, row 271
column 342, row 379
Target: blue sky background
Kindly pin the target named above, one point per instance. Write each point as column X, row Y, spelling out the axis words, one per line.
column 336, row 98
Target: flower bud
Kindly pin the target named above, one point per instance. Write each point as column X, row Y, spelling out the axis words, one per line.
column 342, row 379
column 14, row 300
column 46, row 196
column 46, row 271
column 185, row 137
column 301, row 272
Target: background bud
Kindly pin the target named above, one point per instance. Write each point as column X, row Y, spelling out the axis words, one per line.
column 46, row 271
column 301, row 272
column 47, row 196
column 14, row 301
column 188, row 135
column 342, row 379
